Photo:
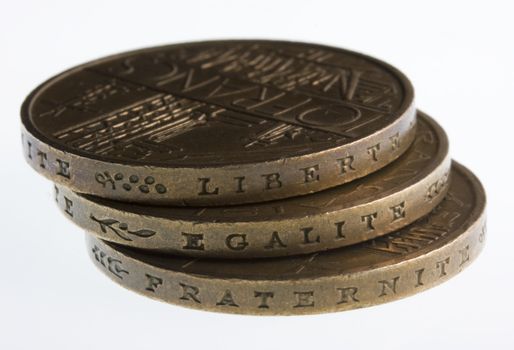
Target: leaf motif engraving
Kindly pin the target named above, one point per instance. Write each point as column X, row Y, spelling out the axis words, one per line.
column 120, row 228
column 142, row 233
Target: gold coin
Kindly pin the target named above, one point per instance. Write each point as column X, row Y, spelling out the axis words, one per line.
column 422, row 255
column 366, row 208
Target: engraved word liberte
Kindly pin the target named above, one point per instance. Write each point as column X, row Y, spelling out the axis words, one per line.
column 205, row 185
column 270, row 181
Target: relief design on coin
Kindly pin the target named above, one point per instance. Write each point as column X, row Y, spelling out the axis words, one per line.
column 382, row 202
column 214, row 123
column 411, row 260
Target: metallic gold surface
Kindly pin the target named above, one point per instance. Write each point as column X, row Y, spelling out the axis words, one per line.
column 422, row 255
column 366, row 208
column 218, row 123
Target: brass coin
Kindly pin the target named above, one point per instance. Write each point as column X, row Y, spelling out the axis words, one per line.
column 366, row 208
column 218, row 123
column 409, row 261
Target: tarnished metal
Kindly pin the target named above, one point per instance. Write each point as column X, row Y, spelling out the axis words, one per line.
column 369, row 207
column 409, row 261
column 255, row 177
column 218, row 123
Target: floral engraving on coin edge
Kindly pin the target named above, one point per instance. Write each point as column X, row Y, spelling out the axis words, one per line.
column 113, row 265
column 121, row 229
column 107, row 179
column 388, row 287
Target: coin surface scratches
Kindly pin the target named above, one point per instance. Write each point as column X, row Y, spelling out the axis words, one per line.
column 366, row 208
column 422, row 255
column 217, row 123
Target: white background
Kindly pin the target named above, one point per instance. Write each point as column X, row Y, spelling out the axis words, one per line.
column 459, row 56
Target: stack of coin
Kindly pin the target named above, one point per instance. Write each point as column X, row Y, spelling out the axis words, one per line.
column 255, row 177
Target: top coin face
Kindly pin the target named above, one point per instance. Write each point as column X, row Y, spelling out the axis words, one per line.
column 221, row 122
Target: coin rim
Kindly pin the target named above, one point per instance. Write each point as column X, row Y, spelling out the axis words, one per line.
column 469, row 229
column 169, row 229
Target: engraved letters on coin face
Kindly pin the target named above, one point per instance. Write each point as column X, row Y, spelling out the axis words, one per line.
column 381, row 202
column 422, row 255
column 218, row 122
